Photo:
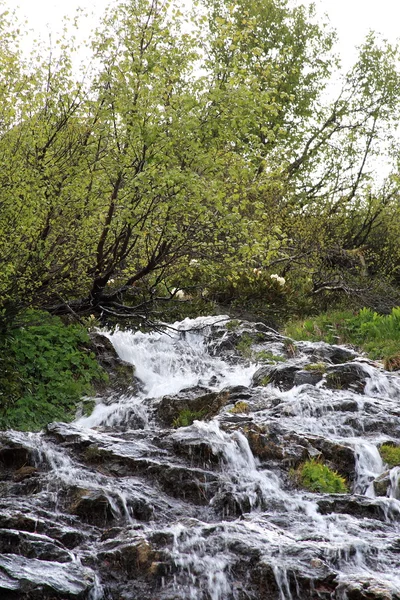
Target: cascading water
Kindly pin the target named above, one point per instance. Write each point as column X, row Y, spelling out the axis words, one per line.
column 120, row 505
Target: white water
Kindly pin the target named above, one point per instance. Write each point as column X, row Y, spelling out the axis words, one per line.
column 282, row 524
column 168, row 362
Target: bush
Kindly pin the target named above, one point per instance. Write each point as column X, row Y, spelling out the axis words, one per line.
column 46, row 368
column 317, row 477
column 390, row 454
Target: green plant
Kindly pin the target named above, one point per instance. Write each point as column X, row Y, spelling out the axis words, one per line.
column 317, row 477
column 186, row 417
column 321, row 367
column 240, row 407
column 264, row 381
column 51, row 368
column 232, row 325
column 376, row 334
column 268, row 357
column 244, row 345
column 392, row 362
column 390, row 454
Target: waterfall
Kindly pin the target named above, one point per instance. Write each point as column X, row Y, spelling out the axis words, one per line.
column 212, row 510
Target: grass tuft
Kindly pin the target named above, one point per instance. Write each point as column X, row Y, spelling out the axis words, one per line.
column 314, row 476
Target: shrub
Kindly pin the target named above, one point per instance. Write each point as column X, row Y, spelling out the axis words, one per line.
column 317, row 477
column 390, row 454
column 46, row 368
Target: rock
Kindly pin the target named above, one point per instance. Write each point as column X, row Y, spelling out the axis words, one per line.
column 357, row 506
column 121, row 373
column 282, row 376
column 92, row 507
column 206, row 405
column 24, row 473
column 32, row 545
column 34, row 579
column 321, row 351
column 348, row 376
column 365, row 588
column 307, row 377
column 388, row 484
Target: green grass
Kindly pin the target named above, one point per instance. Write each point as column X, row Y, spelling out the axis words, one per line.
column 320, row 367
column 378, row 335
column 390, row 454
column 269, row 357
column 45, row 369
column 317, row 477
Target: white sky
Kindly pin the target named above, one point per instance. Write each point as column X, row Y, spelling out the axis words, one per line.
column 352, row 18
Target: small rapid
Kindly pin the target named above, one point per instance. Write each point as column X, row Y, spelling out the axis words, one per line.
column 131, row 502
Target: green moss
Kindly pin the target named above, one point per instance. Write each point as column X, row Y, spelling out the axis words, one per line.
column 390, row 454
column 317, row 477
column 186, row 417
column 240, row 407
column 321, row 367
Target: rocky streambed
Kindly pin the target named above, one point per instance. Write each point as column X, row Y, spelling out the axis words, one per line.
column 133, row 502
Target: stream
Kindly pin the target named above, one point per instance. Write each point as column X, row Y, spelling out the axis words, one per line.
column 131, row 503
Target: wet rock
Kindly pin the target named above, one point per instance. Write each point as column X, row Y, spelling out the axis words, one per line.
column 133, row 557
column 32, row 579
column 349, row 376
column 321, row 351
column 205, row 405
column 121, row 373
column 388, row 484
column 275, row 447
column 357, row 506
column 382, row 484
column 282, row 376
column 364, row 588
column 92, row 507
column 307, row 377
column 31, row 545
column 24, row 473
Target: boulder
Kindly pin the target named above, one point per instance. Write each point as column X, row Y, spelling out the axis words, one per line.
column 198, row 400
column 282, row 376
column 348, row 376
column 121, row 374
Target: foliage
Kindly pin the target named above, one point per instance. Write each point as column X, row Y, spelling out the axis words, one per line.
column 317, row 477
column 378, row 335
column 199, row 153
column 268, row 357
column 321, row 367
column 186, row 417
column 46, row 368
column 240, row 407
column 390, row 454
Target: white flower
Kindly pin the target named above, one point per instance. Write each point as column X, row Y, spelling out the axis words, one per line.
column 278, row 279
column 257, row 272
column 194, row 262
column 110, row 281
column 180, row 294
